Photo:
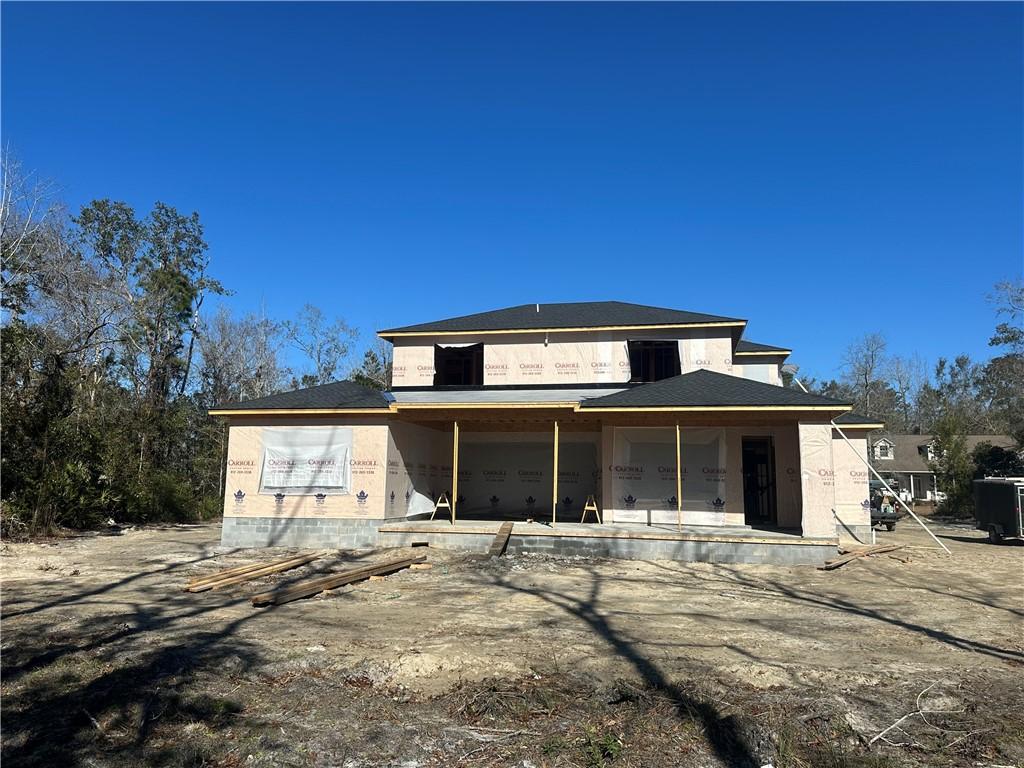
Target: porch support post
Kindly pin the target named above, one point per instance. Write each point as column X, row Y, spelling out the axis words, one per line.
column 455, row 468
column 679, row 481
column 554, row 481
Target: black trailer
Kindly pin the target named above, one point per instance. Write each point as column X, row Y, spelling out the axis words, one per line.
column 999, row 507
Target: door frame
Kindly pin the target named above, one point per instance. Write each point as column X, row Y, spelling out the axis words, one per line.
column 772, row 513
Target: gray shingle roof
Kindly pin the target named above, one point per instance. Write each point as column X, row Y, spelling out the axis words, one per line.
column 752, row 346
column 337, row 394
column 853, row 419
column 708, row 388
column 910, row 454
column 584, row 314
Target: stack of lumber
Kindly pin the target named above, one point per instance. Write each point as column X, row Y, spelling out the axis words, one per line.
column 849, row 555
column 245, row 573
column 316, row 586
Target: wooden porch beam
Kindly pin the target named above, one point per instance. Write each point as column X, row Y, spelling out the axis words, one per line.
column 455, row 468
column 554, row 481
column 679, row 481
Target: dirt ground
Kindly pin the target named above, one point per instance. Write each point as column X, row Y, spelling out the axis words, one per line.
column 524, row 661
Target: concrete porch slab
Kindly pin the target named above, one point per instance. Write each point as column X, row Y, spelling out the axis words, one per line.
column 626, row 541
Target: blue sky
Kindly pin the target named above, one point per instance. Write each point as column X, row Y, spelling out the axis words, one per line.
column 823, row 170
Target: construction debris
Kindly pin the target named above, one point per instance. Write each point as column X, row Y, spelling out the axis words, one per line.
column 316, row 586
column 849, row 555
column 500, row 540
column 248, row 572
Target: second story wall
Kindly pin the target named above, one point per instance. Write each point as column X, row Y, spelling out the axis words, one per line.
column 565, row 358
column 761, row 368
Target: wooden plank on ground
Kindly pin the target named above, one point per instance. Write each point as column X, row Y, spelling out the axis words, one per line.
column 839, row 562
column 218, row 575
column 239, row 569
column 265, row 569
column 500, row 540
column 316, row 586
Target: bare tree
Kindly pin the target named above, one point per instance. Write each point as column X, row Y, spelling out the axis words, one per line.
column 33, row 223
column 240, row 358
column 864, row 364
column 906, row 375
column 325, row 345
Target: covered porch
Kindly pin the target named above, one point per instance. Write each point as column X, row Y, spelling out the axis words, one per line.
column 670, row 475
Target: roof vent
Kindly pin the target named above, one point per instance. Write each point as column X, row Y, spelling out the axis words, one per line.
column 538, row 307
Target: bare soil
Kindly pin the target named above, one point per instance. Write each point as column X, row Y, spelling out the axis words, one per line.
column 524, row 661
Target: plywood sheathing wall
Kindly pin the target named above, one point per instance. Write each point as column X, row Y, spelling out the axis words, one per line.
column 566, row 358
column 364, row 498
column 851, row 480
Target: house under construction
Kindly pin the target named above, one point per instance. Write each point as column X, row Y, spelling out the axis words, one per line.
column 598, row 428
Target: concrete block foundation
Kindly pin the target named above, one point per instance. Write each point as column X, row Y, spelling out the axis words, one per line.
column 304, row 532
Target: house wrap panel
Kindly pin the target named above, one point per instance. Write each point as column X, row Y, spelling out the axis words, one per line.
column 642, row 473
column 358, row 492
column 563, row 358
column 851, row 481
column 411, row 488
column 817, row 484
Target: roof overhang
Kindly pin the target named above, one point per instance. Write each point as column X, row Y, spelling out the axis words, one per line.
column 776, row 352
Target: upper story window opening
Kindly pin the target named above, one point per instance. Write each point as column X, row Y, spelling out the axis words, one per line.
column 459, row 365
column 653, row 360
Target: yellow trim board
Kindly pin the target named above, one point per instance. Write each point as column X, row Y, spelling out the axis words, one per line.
column 294, row 411
column 676, row 408
column 582, row 329
column 781, row 352
column 871, row 425
column 574, row 405
column 481, row 406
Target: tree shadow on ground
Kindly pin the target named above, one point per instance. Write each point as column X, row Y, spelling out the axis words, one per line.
column 96, row 689
column 94, row 705
column 982, row 540
column 729, row 737
column 733, row 576
column 73, row 596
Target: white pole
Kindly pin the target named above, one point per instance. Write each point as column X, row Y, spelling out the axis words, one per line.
column 872, row 470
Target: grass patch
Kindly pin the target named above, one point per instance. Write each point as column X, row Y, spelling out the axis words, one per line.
column 600, row 748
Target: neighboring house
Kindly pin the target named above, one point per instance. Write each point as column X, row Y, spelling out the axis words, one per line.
column 527, row 412
column 907, row 460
